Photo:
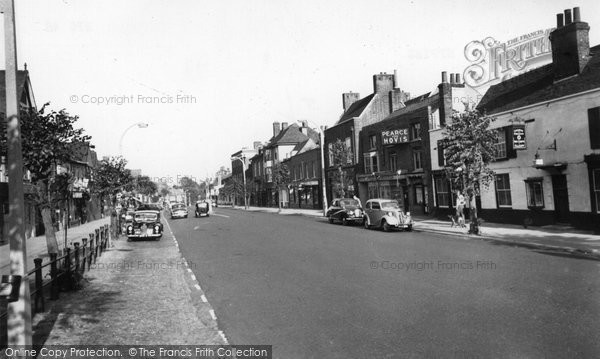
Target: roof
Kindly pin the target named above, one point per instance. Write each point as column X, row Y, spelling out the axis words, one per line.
column 293, row 135
column 414, row 105
column 356, row 109
column 538, row 85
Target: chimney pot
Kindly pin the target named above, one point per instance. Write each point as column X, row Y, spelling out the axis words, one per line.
column 568, row 19
column 559, row 20
column 396, row 79
column 284, row 125
column 451, row 78
column 444, row 77
column 457, row 78
column 576, row 14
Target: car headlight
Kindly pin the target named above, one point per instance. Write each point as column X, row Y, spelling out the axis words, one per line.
column 156, row 228
column 391, row 214
column 357, row 212
column 408, row 213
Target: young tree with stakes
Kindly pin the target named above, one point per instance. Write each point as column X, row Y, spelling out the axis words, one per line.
column 469, row 147
column 341, row 155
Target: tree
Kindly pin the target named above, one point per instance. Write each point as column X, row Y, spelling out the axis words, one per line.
column 110, row 177
column 234, row 188
column 469, row 147
column 144, row 185
column 281, row 178
column 341, row 155
column 191, row 187
column 48, row 137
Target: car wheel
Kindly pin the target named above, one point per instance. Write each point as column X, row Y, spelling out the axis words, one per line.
column 345, row 221
column 207, row 215
column 366, row 223
column 409, row 228
column 330, row 219
column 386, row 226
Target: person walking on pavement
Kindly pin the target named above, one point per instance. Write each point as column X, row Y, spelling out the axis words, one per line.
column 357, row 200
column 460, row 208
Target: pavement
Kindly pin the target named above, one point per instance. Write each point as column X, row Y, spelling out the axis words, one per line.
column 139, row 292
column 574, row 241
column 36, row 246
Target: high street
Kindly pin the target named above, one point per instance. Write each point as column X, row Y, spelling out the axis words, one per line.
column 313, row 290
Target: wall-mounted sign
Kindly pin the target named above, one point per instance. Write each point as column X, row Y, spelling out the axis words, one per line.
column 519, row 138
column 391, row 137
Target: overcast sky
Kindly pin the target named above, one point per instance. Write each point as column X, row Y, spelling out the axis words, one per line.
column 229, row 69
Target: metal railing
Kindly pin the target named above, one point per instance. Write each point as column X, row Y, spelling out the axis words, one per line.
column 73, row 262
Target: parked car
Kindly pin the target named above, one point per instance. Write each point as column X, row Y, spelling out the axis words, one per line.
column 179, row 210
column 145, row 224
column 345, row 210
column 202, row 208
column 386, row 214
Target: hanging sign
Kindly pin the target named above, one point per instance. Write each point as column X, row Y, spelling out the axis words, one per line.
column 519, row 138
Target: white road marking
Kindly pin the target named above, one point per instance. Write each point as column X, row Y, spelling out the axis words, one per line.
column 220, row 215
column 212, row 314
column 196, row 228
column 203, row 297
column 197, row 287
column 189, row 270
column 193, row 277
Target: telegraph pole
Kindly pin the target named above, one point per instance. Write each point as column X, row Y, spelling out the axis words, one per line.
column 19, row 312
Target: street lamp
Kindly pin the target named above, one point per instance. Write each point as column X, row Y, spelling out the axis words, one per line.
column 243, row 160
column 321, row 130
column 138, row 125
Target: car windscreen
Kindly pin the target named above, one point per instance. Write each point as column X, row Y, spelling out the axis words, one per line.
column 179, row 206
column 202, row 205
column 390, row 205
column 146, row 217
column 349, row 202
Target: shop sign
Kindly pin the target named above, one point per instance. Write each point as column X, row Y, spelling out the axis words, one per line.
column 519, row 138
column 390, row 137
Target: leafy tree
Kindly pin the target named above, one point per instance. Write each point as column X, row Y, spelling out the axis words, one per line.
column 234, row 187
column 144, row 185
column 48, row 137
column 191, row 187
column 281, row 178
column 469, row 147
column 341, row 155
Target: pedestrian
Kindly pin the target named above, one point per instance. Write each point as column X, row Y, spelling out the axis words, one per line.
column 357, row 200
column 460, row 208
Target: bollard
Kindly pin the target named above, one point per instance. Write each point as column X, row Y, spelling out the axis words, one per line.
column 67, row 263
column 83, row 253
column 38, row 303
column 54, row 277
column 101, row 249
column 76, row 256
column 92, row 248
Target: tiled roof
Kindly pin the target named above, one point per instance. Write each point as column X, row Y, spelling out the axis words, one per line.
column 538, row 85
column 413, row 105
column 356, row 109
column 293, row 135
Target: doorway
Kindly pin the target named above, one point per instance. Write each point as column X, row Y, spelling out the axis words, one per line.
column 561, row 198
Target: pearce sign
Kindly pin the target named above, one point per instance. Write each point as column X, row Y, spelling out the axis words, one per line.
column 391, row 137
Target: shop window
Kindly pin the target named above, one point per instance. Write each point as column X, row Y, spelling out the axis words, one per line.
column 503, row 190
column 442, row 187
column 535, row 192
column 419, row 197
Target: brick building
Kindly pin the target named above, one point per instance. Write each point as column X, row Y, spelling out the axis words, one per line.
column 358, row 113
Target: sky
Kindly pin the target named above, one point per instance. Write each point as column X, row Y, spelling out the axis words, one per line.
column 210, row 77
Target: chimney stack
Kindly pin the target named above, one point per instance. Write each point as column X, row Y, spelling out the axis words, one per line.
column 257, row 145
column 349, row 98
column 276, row 128
column 383, row 83
column 444, row 77
column 396, row 81
column 570, row 45
column 560, row 20
column 568, row 17
column 284, row 125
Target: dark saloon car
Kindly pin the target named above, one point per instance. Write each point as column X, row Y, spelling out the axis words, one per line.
column 345, row 210
column 202, row 209
column 146, row 225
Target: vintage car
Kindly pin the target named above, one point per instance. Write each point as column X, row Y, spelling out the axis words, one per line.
column 179, row 210
column 386, row 214
column 345, row 210
column 145, row 224
column 202, row 209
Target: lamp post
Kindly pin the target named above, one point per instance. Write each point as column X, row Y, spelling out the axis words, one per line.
column 321, row 130
column 19, row 310
column 138, row 125
column 243, row 160
column 377, row 182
